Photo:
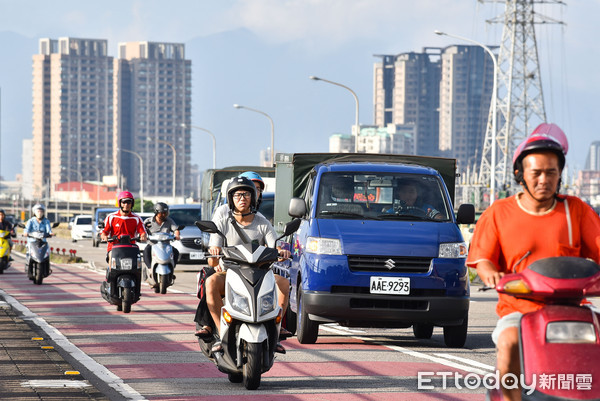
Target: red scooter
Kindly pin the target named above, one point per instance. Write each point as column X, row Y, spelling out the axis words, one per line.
column 559, row 344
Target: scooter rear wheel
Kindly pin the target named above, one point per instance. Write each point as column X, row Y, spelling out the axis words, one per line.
column 127, row 298
column 235, row 377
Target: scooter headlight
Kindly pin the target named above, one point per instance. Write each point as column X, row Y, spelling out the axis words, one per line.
column 570, row 332
column 238, row 302
column 267, row 303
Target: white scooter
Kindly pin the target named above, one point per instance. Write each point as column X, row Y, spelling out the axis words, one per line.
column 160, row 272
column 251, row 315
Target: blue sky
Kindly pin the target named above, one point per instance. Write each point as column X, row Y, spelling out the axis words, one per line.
column 270, row 47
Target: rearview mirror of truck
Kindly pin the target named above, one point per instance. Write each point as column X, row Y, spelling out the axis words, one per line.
column 297, row 208
column 466, row 214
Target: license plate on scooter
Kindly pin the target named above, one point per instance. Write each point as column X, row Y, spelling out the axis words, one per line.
column 196, row 255
column 390, row 285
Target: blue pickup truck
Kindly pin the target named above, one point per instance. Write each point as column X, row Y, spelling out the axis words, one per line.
column 379, row 243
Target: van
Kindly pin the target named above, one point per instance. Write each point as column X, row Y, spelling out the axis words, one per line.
column 369, row 255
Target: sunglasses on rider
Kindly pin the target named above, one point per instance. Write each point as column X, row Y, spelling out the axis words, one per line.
column 127, row 201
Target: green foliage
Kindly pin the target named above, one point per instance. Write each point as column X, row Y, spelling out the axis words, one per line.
column 148, row 206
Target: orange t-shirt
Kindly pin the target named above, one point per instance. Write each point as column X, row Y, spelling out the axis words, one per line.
column 506, row 232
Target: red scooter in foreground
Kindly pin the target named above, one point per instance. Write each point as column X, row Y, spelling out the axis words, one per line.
column 559, row 344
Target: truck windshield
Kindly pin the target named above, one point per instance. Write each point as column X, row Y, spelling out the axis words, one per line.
column 382, row 196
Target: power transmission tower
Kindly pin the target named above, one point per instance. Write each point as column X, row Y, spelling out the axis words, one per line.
column 520, row 101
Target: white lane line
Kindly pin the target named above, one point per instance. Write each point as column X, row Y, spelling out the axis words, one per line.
column 335, row 328
column 467, row 361
column 94, row 367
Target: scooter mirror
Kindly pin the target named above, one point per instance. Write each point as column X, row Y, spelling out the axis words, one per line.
column 207, row 226
column 101, row 225
column 181, row 227
column 292, row 227
column 21, row 225
column 54, row 225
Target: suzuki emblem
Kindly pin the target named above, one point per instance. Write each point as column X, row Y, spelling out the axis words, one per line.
column 390, row 264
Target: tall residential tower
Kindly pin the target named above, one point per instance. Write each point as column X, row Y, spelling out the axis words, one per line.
column 72, row 111
column 152, row 101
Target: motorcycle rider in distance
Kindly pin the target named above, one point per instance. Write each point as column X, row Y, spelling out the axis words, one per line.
column 7, row 226
column 535, row 223
column 241, row 198
column 37, row 223
column 123, row 222
column 160, row 222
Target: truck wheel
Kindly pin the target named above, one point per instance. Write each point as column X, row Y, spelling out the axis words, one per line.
column 127, row 298
column 456, row 336
column 308, row 331
column 253, row 366
column 38, row 274
column 423, row 330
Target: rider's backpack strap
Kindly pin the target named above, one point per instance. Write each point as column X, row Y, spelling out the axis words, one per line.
column 242, row 234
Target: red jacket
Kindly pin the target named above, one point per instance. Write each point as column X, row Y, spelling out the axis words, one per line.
column 119, row 225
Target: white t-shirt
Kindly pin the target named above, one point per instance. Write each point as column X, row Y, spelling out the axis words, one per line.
column 260, row 230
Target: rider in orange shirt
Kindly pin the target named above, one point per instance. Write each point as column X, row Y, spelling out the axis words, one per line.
column 533, row 224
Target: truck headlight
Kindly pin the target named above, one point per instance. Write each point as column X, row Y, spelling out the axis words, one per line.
column 238, row 302
column 570, row 332
column 453, row 250
column 267, row 303
column 323, row 246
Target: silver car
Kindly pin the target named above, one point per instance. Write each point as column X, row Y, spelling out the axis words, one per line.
column 193, row 245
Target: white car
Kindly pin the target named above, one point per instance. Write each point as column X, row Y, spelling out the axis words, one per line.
column 82, row 227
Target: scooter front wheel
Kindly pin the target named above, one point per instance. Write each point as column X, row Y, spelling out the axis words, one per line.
column 253, row 366
column 164, row 283
column 38, row 274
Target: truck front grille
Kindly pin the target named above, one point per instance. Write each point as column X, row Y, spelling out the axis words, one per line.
column 364, row 263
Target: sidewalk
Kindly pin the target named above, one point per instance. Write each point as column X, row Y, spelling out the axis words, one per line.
column 31, row 369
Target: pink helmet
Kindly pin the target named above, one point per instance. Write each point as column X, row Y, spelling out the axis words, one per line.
column 125, row 195
column 544, row 137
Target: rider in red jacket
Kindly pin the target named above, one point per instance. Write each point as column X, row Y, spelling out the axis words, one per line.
column 123, row 221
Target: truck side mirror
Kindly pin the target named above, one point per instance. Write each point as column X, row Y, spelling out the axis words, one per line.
column 297, row 207
column 466, row 214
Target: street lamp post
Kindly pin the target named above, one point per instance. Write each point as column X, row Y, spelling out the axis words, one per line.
column 141, row 176
column 97, row 186
column 494, row 101
column 174, row 162
column 355, row 100
column 238, row 106
column 214, row 141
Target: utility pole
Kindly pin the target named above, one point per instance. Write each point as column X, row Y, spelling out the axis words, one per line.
column 520, row 101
